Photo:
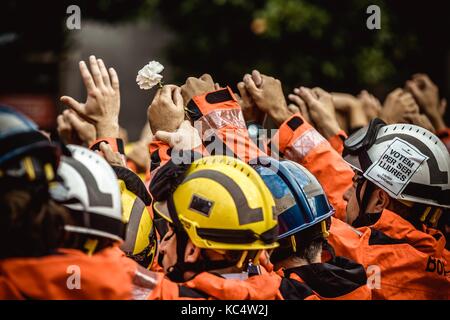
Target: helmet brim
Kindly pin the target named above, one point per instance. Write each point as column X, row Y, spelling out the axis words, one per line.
column 162, row 209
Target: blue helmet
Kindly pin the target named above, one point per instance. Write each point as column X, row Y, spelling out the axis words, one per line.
column 24, row 151
column 300, row 201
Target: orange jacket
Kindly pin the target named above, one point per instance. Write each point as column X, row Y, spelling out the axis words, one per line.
column 337, row 141
column 298, row 141
column 208, row 286
column 220, row 122
column 49, row 277
column 150, row 285
column 337, row 279
column 402, row 262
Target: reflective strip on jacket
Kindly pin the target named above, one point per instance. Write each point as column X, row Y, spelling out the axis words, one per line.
column 298, row 141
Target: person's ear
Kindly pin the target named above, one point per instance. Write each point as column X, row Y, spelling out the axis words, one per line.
column 192, row 252
column 381, row 200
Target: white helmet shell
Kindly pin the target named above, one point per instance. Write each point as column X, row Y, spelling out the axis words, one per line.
column 90, row 186
column 409, row 162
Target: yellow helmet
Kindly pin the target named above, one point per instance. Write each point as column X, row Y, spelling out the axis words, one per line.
column 223, row 204
column 140, row 237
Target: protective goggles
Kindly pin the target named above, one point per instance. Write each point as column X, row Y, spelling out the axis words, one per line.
column 364, row 138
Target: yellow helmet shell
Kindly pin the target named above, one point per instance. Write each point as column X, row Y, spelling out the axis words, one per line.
column 223, row 195
column 140, row 240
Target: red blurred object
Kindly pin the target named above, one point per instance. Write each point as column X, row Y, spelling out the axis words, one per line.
column 41, row 108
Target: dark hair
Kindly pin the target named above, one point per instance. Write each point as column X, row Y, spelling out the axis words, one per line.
column 31, row 225
column 308, row 244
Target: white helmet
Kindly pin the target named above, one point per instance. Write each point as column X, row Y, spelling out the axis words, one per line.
column 407, row 161
column 89, row 187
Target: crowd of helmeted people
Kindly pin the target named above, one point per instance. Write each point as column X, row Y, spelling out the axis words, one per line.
column 343, row 198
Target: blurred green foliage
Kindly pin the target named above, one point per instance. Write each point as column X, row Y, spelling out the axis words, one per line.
column 299, row 41
column 304, row 42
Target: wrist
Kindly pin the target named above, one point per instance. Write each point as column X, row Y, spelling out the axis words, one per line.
column 358, row 118
column 89, row 142
column 281, row 115
column 438, row 123
column 330, row 130
column 110, row 129
column 115, row 143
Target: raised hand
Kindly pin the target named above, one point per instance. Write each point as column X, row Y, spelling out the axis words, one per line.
column 197, row 86
column 371, row 105
column 166, row 112
column 321, row 109
column 268, row 96
column 351, row 107
column 73, row 130
column 185, row 138
column 426, row 93
column 102, row 105
column 113, row 158
column 420, row 120
column 397, row 106
column 299, row 106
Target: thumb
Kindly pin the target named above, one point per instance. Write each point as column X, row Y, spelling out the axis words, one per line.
column 413, row 87
column 75, row 121
column 165, row 136
column 243, row 92
column 107, row 151
column 178, row 98
column 307, row 96
column 72, row 103
column 250, row 85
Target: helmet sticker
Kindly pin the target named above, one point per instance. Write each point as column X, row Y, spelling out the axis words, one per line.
column 201, row 205
column 396, row 166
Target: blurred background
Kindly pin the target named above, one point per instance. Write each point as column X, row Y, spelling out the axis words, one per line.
column 302, row 42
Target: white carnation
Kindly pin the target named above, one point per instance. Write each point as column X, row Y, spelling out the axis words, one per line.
column 149, row 75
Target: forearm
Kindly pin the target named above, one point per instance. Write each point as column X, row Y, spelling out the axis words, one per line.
column 218, row 118
column 358, row 117
column 437, row 121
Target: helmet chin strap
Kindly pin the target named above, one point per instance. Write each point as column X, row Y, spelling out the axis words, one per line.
column 365, row 218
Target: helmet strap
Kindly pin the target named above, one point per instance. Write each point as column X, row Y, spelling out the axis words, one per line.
column 90, row 245
column 177, row 271
column 293, row 243
column 365, row 218
column 241, row 261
